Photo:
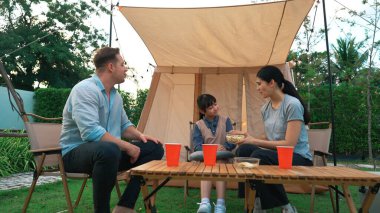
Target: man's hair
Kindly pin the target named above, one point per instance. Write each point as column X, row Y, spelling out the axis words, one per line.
column 105, row 55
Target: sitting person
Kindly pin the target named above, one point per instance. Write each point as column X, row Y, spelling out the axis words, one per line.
column 211, row 129
column 284, row 119
column 94, row 122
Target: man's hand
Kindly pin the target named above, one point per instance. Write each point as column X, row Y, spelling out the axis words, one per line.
column 145, row 138
column 133, row 151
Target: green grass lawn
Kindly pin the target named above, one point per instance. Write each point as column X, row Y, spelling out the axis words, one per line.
column 50, row 198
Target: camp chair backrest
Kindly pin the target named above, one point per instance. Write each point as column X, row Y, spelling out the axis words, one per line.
column 319, row 140
column 43, row 136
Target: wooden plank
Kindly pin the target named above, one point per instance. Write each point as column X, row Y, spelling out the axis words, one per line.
column 155, row 169
column 358, row 175
column 145, row 167
column 184, row 167
column 199, row 170
column 193, row 168
column 239, row 171
column 231, row 170
column 302, row 173
column 215, row 172
column 207, row 171
column 223, row 172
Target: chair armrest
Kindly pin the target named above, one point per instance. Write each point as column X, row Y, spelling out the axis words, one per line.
column 43, row 118
column 320, row 153
column 49, row 151
column 188, row 152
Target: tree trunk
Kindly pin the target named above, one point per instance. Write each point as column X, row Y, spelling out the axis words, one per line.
column 369, row 104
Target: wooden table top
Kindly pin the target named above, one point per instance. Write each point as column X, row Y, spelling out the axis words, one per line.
column 270, row 174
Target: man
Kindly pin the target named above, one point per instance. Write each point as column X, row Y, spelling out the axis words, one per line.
column 94, row 122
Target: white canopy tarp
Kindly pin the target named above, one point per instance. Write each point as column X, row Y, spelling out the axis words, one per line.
column 214, row 50
column 235, row 36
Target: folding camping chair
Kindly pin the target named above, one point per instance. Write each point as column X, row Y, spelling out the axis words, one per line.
column 319, row 141
column 44, row 140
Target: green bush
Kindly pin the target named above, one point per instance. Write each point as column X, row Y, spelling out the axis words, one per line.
column 50, row 102
column 15, row 156
column 134, row 107
column 350, row 113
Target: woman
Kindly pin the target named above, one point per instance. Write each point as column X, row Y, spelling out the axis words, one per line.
column 284, row 119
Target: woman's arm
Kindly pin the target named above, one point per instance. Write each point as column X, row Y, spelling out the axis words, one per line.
column 293, row 131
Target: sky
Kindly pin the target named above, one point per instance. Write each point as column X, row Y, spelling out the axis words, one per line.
column 137, row 55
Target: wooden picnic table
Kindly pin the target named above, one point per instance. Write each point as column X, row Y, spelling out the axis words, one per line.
column 326, row 175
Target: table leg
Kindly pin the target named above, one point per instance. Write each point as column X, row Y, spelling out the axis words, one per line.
column 145, row 192
column 350, row 202
column 370, row 196
column 250, row 194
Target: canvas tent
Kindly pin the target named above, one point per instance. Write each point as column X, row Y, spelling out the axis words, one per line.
column 216, row 50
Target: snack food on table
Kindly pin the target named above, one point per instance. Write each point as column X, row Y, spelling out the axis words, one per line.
column 234, row 138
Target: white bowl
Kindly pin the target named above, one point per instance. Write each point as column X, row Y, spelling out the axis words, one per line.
column 246, row 162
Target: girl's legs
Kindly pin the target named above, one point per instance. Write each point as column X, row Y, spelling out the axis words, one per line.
column 220, row 189
column 204, row 205
column 206, row 189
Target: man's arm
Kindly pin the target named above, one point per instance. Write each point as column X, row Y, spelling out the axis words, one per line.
column 132, row 150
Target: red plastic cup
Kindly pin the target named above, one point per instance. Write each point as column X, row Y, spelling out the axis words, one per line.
column 173, row 151
column 285, row 156
column 209, row 154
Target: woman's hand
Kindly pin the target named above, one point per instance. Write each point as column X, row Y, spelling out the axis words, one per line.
column 236, row 132
column 247, row 139
column 221, row 148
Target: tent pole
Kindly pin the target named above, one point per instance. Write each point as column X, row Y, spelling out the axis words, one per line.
column 110, row 38
column 330, row 96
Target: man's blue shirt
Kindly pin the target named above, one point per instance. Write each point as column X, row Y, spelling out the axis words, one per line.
column 88, row 115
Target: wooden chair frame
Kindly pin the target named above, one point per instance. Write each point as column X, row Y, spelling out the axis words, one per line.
column 320, row 153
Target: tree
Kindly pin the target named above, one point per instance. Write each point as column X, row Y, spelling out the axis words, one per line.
column 369, row 20
column 348, row 59
column 51, row 47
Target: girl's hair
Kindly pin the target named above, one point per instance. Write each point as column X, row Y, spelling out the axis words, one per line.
column 269, row 73
column 204, row 101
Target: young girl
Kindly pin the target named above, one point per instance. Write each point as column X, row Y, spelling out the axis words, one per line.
column 211, row 129
column 284, row 119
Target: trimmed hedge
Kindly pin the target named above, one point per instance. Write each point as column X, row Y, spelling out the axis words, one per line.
column 50, row 102
column 350, row 110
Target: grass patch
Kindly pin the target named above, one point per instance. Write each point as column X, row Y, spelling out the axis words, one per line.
column 15, row 156
column 50, row 198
